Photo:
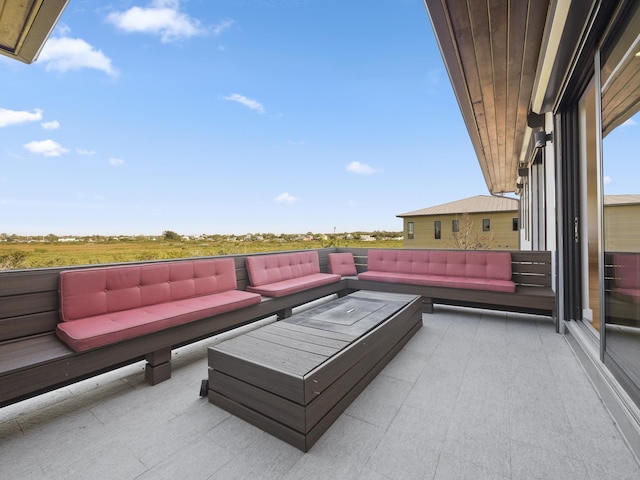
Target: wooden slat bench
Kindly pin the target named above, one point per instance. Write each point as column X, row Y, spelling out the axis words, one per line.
column 622, row 288
column 33, row 359
column 531, row 273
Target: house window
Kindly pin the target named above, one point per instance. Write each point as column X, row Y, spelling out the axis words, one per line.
column 410, row 230
column 515, row 224
column 437, row 229
column 455, row 226
column 486, row 225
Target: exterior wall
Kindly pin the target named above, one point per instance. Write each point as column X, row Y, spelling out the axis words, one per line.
column 621, row 226
column 502, row 234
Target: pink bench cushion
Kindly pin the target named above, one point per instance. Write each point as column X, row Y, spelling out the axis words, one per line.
column 627, row 277
column 104, row 305
column 443, row 268
column 293, row 285
column 342, row 264
column 282, row 274
column 100, row 330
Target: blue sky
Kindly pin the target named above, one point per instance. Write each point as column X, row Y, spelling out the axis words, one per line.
column 231, row 116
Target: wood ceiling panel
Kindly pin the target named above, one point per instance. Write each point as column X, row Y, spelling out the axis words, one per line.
column 25, row 25
column 496, row 45
column 499, row 38
column 13, row 19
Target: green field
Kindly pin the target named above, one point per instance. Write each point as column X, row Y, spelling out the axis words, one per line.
column 23, row 255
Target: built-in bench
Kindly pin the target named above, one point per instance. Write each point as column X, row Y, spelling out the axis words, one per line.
column 106, row 305
column 622, row 288
column 281, row 274
column 34, row 360
column 626, row 280
column 509, row 281
column 476, row 270
column 35, row 317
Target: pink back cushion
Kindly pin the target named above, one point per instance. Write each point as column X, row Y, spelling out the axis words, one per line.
column 265, row 269
column 342, row 264
column 627, row 270
column 400, row 261
column 96, row 291
column 452, row 263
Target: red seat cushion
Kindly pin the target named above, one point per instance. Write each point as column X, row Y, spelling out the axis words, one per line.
column 342, row 264
column 104, row 305
column 477, row 270
column 100, row 330
column 293, row 285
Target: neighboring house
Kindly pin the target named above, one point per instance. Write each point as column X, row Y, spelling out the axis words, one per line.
column 480, row 222
column 622, row 223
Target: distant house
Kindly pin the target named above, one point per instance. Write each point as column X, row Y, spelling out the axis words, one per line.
column 480, row 222
column 622, row 223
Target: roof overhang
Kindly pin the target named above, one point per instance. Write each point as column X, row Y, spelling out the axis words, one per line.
column 26, row 25
column 491, row 52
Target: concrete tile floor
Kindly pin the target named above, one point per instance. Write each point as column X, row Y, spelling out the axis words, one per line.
column 474, row 395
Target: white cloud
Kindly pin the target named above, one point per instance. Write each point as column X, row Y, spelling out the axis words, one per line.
column 629, row 123
column 247, row 102
column 607, row 180
column 48, row 148
column 16, row 117
column 361, row 168
column 65, row 53
column 53, row 125
column 162, row 18
column 286, row 198
column 222, row 26
column 62, row 30
column 116, row 162
column 81, row 151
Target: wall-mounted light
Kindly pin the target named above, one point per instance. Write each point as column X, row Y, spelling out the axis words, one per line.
column 541, row 138
column 523, row 172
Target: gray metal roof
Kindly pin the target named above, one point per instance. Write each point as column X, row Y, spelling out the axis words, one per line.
column 629, row 199
column 479, row 203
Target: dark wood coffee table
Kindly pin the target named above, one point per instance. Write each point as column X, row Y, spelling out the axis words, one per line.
column 293, row 378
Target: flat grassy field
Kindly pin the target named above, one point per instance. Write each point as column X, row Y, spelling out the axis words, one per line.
column 15, row 255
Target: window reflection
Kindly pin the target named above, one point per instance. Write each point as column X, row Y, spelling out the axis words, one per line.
column 620, row 80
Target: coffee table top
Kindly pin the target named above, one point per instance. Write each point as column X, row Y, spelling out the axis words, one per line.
column 299, row 344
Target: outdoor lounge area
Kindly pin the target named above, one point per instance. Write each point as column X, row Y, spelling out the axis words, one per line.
column 537, row 377
column 474, row 394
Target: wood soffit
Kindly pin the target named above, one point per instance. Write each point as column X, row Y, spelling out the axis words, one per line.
column 25, row 26
column 491, row 50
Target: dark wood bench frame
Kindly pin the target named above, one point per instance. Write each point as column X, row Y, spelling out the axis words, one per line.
column 617, row 311
column 532, row 274
column 34, row 361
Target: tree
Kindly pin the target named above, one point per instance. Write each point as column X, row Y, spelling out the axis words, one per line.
column 12, row 260
column 468, row 239
column 171, row 235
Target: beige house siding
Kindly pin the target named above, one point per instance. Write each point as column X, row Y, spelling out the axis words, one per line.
column 500, row 211
column 622, row 224
column 501, row 224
